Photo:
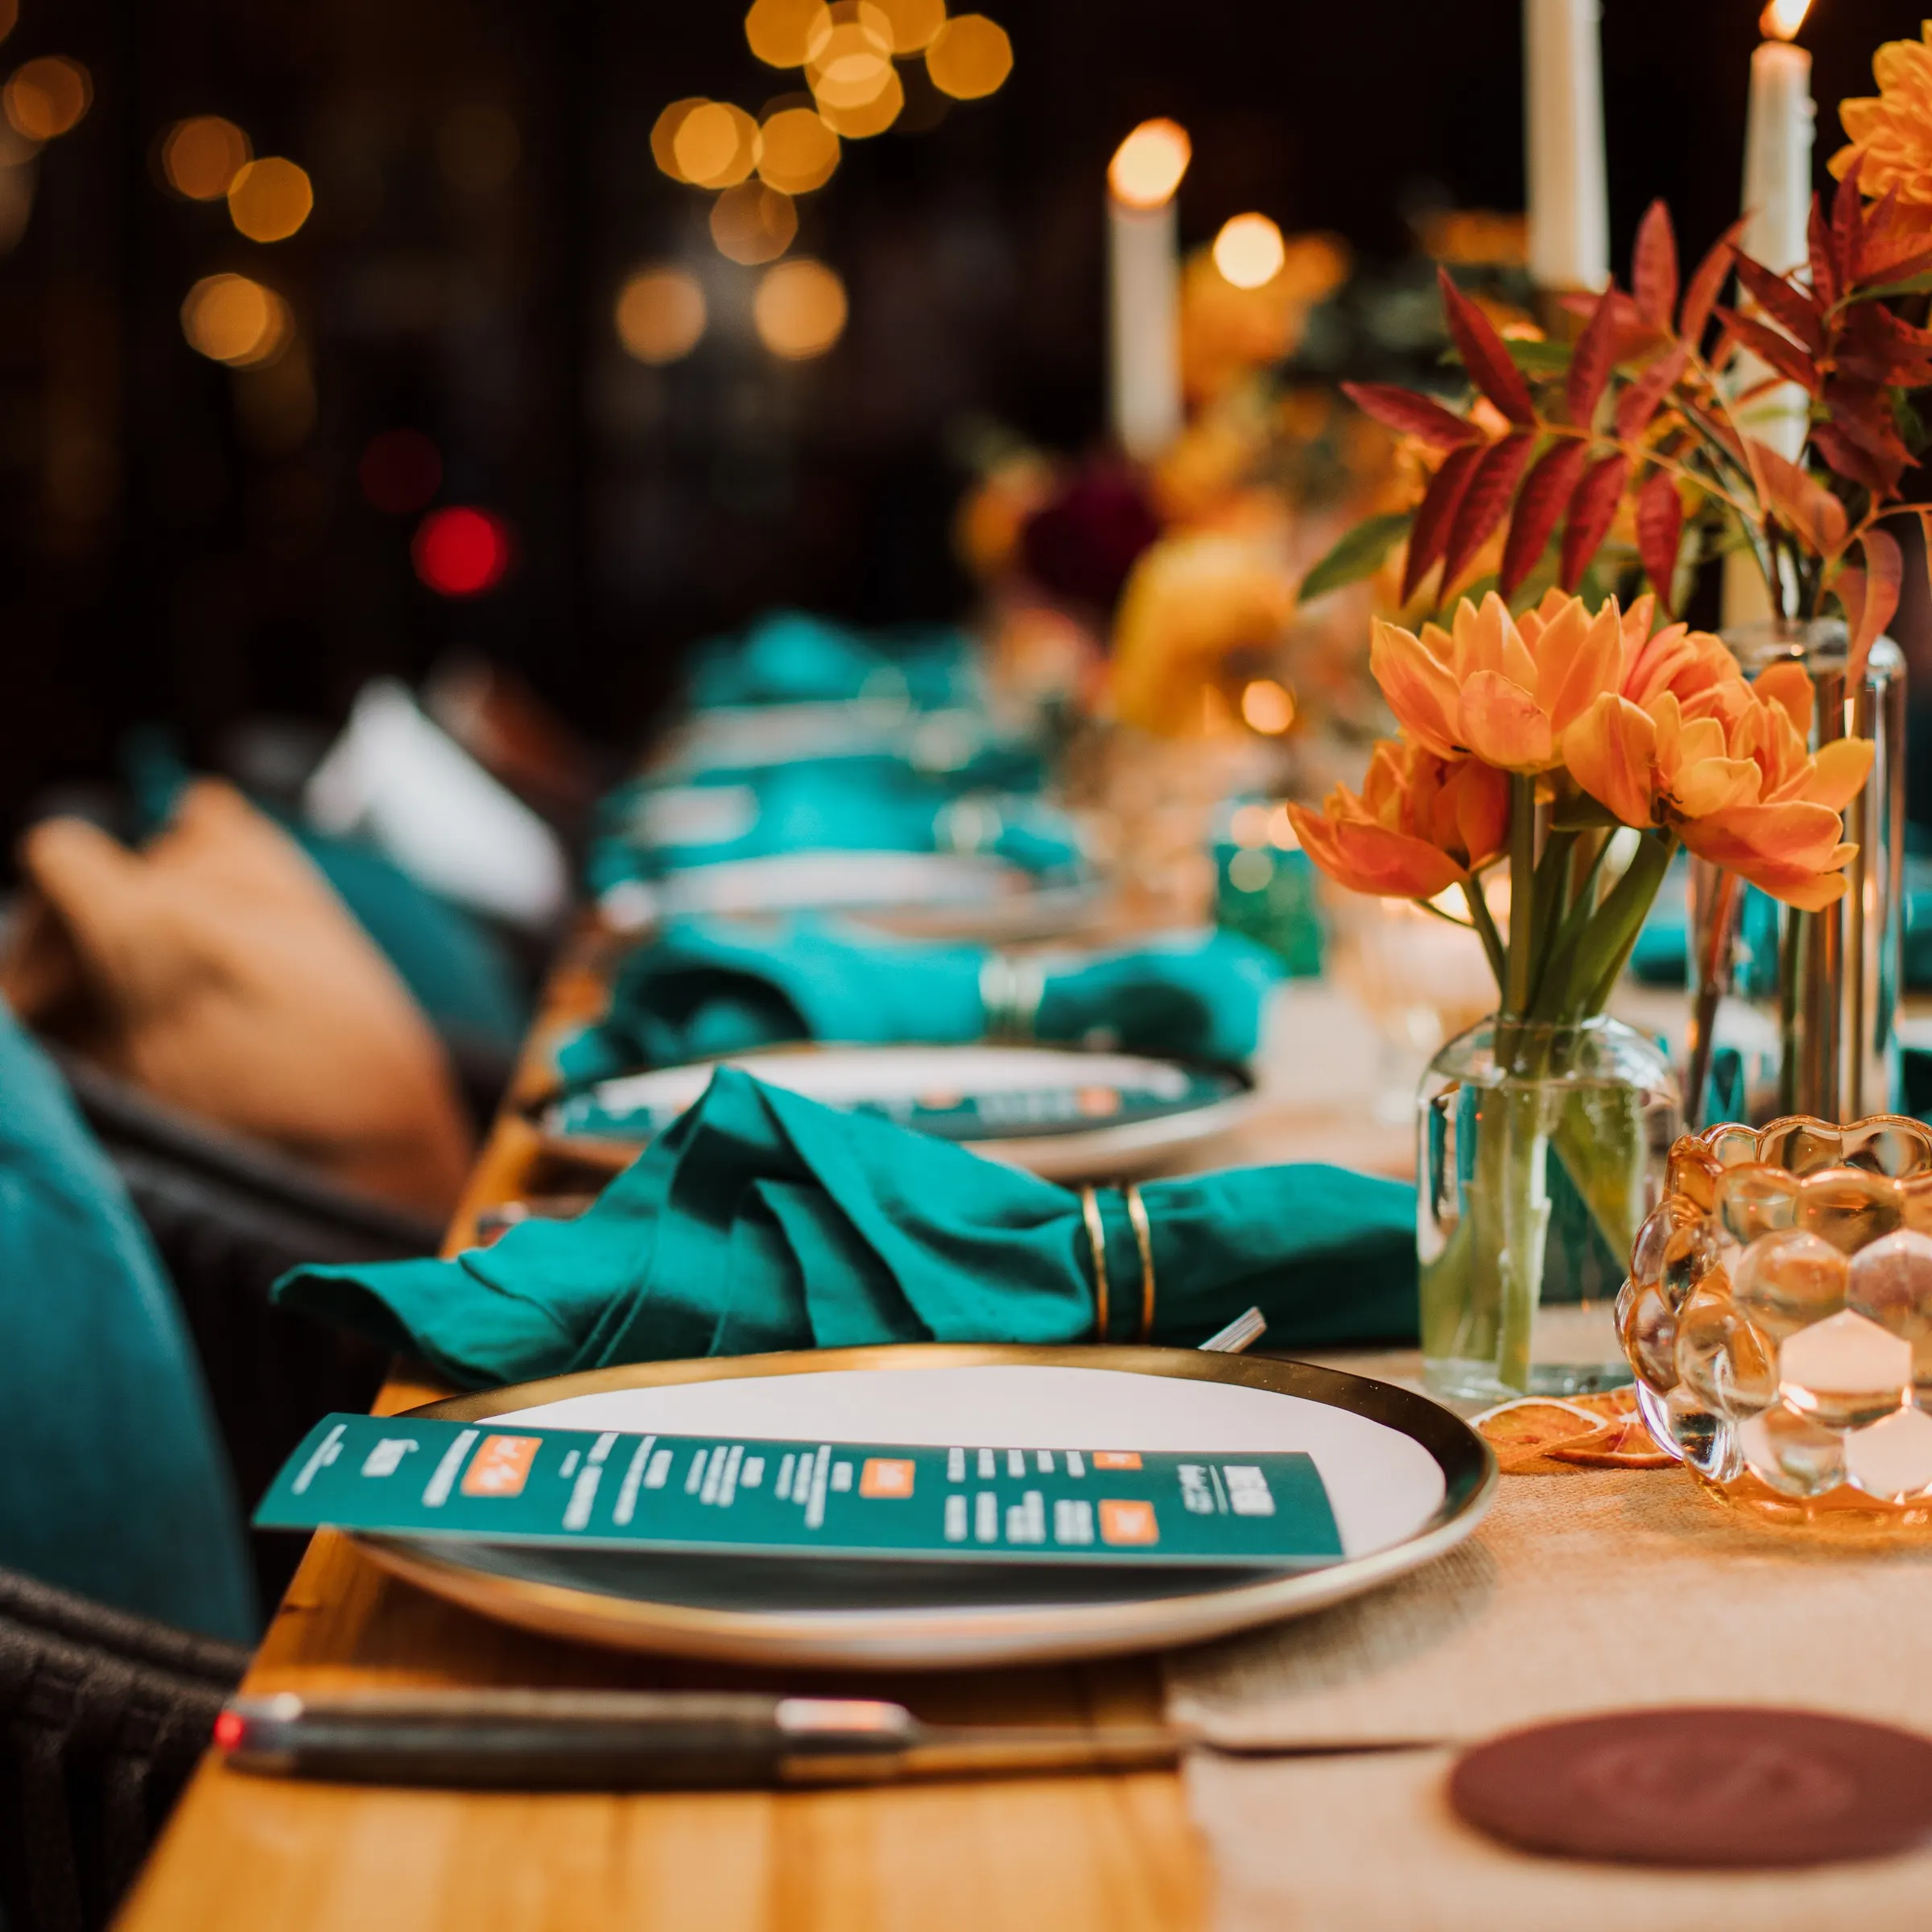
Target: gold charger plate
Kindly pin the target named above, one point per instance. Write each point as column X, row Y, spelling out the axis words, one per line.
column 766, row 1610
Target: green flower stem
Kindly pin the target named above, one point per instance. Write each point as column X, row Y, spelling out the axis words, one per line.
column 1522, row 893
column 1481, row 919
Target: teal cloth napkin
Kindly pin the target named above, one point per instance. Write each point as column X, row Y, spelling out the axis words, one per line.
column 834, row 807
column 708, row 986
column 764, row 1221
column 115, row 1483
column 791, row 657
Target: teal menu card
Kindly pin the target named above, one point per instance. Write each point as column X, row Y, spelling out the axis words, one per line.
column 513, row 1483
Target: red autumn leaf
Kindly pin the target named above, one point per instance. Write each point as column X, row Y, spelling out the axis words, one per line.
column 1653, row 266
column 1639, row 403
column 1768, row 345
column 1882, row 348
column 1590, row 363
column 1592, row 510
column 1660, row 532
column 1799, row 500
column 1845, row 458
column 1848, row 226
column 1435, row 515
column 1546, row 493
column 1411, row 414
column 1707, row 285
column 1817, row 247
column 1792, row 311
column 1485, row 504
column 1484, row 356
column 1874, row 436
column 1871, row 598
column 1892, row 246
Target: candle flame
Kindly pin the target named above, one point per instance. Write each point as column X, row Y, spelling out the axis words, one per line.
column 1147, row 166
column 1781, row 19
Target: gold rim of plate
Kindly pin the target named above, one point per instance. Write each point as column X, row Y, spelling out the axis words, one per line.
column 1082, row 1154
column 925, row 1638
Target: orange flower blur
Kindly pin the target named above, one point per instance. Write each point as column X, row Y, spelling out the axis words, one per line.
column 1734, row 779
column 1421, row 824
column 1490, row 687
column 1891, row 135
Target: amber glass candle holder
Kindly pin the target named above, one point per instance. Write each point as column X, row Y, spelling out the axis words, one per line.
column 1779, row 1315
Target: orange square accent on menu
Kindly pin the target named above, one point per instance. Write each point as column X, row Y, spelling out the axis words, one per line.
column 1128, row 1522
column 882, row 1476
column 502, row 1466
column 1117, row 1458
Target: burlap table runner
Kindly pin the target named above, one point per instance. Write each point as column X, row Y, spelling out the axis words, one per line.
column 1587, row 1591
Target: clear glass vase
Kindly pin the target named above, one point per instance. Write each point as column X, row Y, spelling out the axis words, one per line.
column 1795, row 1013
column 1542, row 1150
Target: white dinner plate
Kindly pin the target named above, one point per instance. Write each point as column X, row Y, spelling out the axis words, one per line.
column 1065, row 1112
column 1407, row 1480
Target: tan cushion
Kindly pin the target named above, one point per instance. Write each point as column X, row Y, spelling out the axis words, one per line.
column 217, row 970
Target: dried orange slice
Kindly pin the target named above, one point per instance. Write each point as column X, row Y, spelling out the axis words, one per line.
column 1522, row 1431
column 1626, row 1445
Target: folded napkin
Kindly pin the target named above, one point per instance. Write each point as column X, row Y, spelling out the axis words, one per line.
column 706, row 986
column 841, row 806
column 764, row 1221
column 791, row 657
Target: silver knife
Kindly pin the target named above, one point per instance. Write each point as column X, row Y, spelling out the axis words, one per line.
column 632, row 1740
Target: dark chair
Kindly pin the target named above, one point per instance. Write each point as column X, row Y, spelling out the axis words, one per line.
column 229, row 1216
column 102, row 1717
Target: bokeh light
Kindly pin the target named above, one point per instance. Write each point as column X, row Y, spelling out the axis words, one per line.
column 1266, row 707
column 849, row 55
column 970, row 57
column 10, row 17
column 270, row 199
column 661, row 314
column 47, row 97
column 201, row 157
column 461, row 551
column 875, row 116
column 798, row 152
column 664, row 134
column 799, row 309
column 400, row 470
column 1249, row 251
column 778, row 29
column 231, row 318
column 752, row 223
column 915, row 23
column 1147, row 166
column 716, row 145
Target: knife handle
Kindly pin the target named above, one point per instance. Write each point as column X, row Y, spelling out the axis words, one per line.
column 537, row 1741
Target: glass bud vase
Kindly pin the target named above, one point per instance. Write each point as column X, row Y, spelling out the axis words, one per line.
column 1542, row 1150
column 1794, row 1012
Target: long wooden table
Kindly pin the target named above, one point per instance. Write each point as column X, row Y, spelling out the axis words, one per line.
column 1115, row 1853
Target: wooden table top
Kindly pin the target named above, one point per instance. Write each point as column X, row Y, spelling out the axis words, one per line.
column 1111, row 1852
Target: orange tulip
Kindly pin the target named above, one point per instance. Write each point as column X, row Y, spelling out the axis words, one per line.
column 1500, row 690
column 1421, row 824
column 1741, row 789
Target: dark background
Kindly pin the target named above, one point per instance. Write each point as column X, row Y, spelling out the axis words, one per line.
column 173, row 546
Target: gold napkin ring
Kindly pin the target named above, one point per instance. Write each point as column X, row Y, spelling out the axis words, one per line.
column 1143, row 1236
column 1096, row 1237
column 1010, row 991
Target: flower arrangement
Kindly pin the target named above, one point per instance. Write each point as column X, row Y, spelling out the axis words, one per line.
column 1531, row 743
column 1553, row 729
column 1636, row 439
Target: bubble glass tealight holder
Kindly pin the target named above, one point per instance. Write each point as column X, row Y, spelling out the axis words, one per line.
column 1778, row 1316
